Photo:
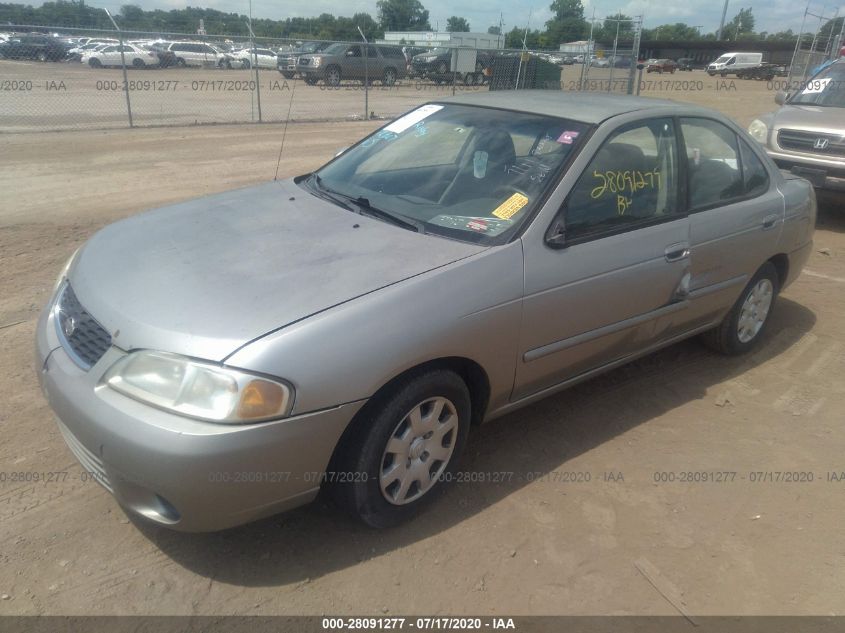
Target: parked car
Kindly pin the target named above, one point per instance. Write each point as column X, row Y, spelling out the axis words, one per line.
column 600, row 62
column 75, row 54
column 686, row 63
column 807, row 134
column 567, row 60
column 661, row 66
column 193, row 54
column 41, row 48
column 286, row 62
column 345, row 328
column 765, row 72
column 249, row 57
column 111, row 56
column 731, row 63
column 436, row 64
column 346, row 61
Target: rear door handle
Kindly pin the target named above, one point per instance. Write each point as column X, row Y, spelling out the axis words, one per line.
column 677, row 252
column 770, row 220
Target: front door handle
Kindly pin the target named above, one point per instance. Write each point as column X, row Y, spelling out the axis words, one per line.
column 677, row 252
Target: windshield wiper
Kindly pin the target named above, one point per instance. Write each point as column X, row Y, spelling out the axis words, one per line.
column 362, row 206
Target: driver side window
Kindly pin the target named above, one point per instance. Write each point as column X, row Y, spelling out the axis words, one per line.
column 631, row 181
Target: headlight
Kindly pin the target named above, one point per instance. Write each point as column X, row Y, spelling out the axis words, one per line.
column 65, row 268
column 758, row 131
column 316, row 61
column 197, row 389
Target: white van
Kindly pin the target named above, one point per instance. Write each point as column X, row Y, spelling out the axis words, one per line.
column 730, row 63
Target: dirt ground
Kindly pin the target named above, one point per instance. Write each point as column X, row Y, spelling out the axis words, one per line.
column 532, row 545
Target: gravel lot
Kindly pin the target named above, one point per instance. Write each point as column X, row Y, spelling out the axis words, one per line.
column 531, row 545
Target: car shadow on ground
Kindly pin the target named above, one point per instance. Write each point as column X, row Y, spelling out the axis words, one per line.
column 831, row 216
column 317, row 539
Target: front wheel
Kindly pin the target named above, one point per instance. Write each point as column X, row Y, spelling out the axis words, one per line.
column 743, row 327
column 138, row 62
column 94, row 63
column 42, row 57
column 333, row 76
column 389, row 77
column 403, row 450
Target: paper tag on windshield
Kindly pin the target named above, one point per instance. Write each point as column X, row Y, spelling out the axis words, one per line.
column 412, row 118
column 816, row 85
column 510, row 207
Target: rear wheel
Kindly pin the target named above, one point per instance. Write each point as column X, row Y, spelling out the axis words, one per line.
column 180, row 62
column 138, row 62
column 743, row 327
column 398, row 455
column 42, row 57
column 389, row 78
column 442, row 68
column 246, row 64
column 94, row 62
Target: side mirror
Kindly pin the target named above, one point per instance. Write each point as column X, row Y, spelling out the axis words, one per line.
column 341, row 150
column 780, row 97
column 556, row 235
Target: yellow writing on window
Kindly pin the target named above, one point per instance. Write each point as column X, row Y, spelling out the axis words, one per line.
column 620, row 182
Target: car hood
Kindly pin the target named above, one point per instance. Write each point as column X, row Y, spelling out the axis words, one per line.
column 810, row 117
column 205, row 277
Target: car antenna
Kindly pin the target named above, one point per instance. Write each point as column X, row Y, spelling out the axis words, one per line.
column 285, row 131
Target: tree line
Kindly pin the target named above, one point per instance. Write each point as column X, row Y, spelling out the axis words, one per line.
column 568, row 23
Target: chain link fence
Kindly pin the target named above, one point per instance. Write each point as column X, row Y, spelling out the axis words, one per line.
column 65, row 78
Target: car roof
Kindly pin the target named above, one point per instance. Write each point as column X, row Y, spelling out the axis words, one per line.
column 588, row 107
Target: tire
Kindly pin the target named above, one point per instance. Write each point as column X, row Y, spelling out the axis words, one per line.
column 42, row 57
column 332, row 76
column 442, row 68
column 138, row 63
column 723, row 74
column 287, row 74
column 380, row 496
column 310, row 81
column 95, row 63
column 245, row 64
column 711, row 74
column 389, row 78
column 728, row 337
column 469, row 79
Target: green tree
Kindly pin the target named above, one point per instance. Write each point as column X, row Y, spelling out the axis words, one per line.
column 494, row 30
column 626, row 27
column 742, row 25
column 567, row 23
column 457, row 25
column 402, row 15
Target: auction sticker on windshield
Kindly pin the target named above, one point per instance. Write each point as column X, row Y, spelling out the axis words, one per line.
column 412, row 118
column 511, row 206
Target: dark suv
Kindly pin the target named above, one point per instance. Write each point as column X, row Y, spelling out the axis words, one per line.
column 40, row 47
column 346, row 61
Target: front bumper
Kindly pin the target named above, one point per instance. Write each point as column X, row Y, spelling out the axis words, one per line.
column 184, row 474
column 823, row 173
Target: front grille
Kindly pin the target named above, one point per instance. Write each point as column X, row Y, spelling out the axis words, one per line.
column 812, row 142
column 90, row 462
column 83, row 338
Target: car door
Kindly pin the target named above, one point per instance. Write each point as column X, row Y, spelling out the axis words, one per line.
column 615, row 282
column 353, row 63
column 736, row 214
column 110, row 56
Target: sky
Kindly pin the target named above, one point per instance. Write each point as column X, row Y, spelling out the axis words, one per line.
column 770, row 15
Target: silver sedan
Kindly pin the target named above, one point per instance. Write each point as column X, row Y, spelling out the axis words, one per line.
column 224, row 359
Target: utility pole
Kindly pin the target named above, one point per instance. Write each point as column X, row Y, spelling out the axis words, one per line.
column 123, row 64
column 722, row 23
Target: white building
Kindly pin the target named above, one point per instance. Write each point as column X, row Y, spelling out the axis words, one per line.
column 485, row 41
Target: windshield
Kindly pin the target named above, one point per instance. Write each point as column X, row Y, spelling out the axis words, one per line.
column 826, row 88
column 469, row 173
column 722, row 59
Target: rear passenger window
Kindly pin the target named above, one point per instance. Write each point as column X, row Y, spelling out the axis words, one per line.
column 755, row 178
column 632, row 180
column 713, row 165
